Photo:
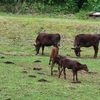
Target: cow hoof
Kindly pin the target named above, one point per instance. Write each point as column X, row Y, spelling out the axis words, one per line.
column 51, row 74
column 65, row 78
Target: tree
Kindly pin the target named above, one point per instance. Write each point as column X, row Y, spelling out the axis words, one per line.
column 80, row 3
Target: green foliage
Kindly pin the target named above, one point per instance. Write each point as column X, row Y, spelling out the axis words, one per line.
column 47, row 6
column 97, row 8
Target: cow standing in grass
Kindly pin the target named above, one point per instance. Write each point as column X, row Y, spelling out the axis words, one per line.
column 64, row 63
column 57, row 61
column 54, row 52
column 86, row 40
column 44, row 39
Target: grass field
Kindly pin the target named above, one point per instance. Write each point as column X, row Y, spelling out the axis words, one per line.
column 19, row 80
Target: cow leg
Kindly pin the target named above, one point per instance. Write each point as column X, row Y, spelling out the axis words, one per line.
column 60, row 71
column 59, row 68
column 74, row 76
column 96, row 50
column 79, row 55
column 64, row 71
column 49, row 61
column 38, row 49
column 52, row 65
column 42, row 50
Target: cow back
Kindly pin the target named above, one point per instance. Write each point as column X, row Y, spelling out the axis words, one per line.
column 48, row 39
column 86, row 40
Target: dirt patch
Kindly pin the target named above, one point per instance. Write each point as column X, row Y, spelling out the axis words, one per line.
column 24, row 71
column 43, row 80
column 16, row 54
column 37, row 68
column 8, row 62
column 37, row 61
column 2, row 57
column 76, row 82
column 32, row 76
column 8, row 99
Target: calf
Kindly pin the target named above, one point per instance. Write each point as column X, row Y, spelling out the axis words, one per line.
column 57, row 60
column 54, row 52
column 71, row 64
column 86, row 40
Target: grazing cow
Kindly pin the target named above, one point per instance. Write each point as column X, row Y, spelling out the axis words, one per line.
column 54, row 52
column 57, row 60
column 71, row 64
column 44, row 39
column 86, row 40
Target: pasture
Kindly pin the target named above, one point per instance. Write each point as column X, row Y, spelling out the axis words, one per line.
column 21, row 78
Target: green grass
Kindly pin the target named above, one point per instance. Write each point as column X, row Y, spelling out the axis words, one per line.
column 17, row 37
column 16, row 84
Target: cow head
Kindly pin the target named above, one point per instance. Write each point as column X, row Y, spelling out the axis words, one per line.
column 57, row 59
column 84, row 67
column 77, row 51
column 36, row 48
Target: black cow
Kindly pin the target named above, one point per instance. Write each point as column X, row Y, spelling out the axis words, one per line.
column 44, row 39
column 70, row 64
column 86, row 40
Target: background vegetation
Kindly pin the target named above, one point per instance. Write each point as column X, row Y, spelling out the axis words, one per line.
column 49, row 6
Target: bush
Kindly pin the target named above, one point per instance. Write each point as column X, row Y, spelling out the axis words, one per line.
column 49, row 6
column 97, row 8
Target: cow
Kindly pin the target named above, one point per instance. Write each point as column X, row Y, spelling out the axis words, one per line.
column 54, row 52
column 86, row 40
column 57, row 60
column 70, row 64
column 44, row 39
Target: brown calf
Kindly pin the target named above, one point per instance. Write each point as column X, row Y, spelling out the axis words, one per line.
column 71, row 64
column 54, row 52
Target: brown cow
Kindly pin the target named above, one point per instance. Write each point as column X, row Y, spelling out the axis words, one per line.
column 70, row 64
column 86, row 40
column 57, row 60
column 54, row 52
column 44, row 39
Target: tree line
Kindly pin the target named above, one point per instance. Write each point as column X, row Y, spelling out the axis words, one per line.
column 49, row 6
